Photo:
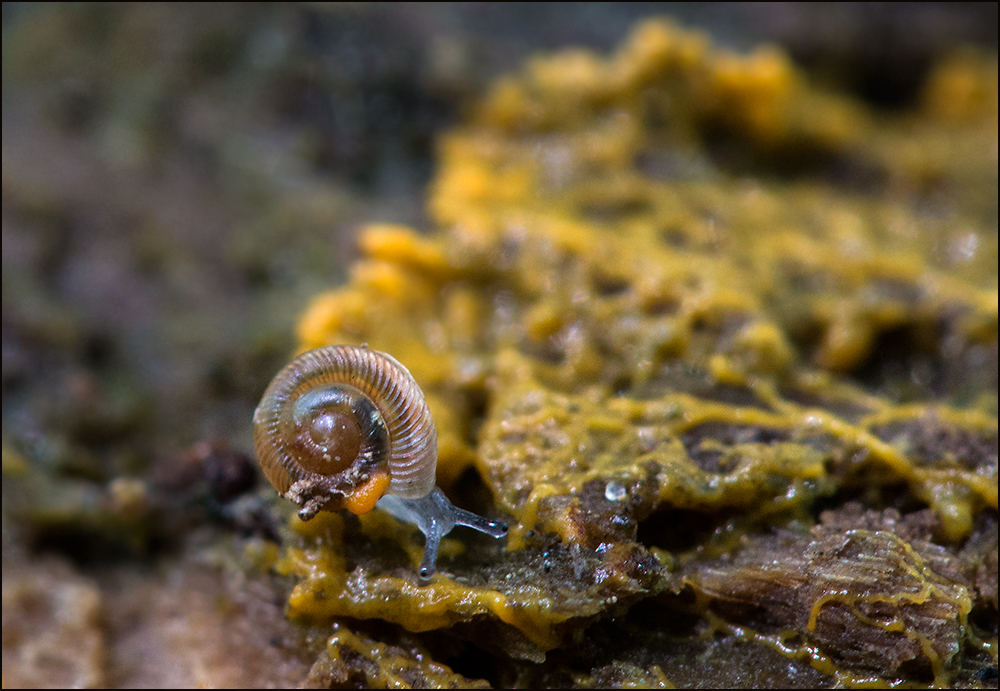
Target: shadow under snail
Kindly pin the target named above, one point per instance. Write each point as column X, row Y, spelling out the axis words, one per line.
column 344, row 427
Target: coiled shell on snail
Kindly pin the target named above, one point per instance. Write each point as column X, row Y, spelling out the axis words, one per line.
column 343, row 427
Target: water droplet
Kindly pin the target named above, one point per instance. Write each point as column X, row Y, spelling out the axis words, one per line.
column 615, row 491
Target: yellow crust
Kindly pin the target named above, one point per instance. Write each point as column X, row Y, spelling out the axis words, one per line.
column 367, row 495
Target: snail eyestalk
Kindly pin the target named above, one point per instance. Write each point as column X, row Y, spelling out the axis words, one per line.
column 435, row 516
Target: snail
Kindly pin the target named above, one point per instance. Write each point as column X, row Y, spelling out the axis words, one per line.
column 345, row 427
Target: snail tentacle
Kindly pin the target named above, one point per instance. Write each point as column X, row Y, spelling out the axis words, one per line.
column 348, row 427
column 435, row 516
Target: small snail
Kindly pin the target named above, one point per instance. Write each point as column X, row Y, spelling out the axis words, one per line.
column 343, row 427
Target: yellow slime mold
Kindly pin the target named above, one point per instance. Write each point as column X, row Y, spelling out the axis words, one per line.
column 651, row 290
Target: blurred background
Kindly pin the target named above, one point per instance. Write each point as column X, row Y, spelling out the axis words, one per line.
column 178, row 180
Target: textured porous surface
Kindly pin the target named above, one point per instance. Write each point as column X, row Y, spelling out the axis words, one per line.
column 661, row 361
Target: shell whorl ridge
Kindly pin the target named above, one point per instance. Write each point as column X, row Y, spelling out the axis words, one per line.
column 338, row 418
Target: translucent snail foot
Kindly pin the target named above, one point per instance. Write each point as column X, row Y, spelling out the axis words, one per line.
column 436, row 516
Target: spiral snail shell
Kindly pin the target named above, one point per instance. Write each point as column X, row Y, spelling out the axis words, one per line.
column 343, row 427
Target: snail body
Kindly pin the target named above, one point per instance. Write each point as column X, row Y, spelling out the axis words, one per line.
column 343, row 427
